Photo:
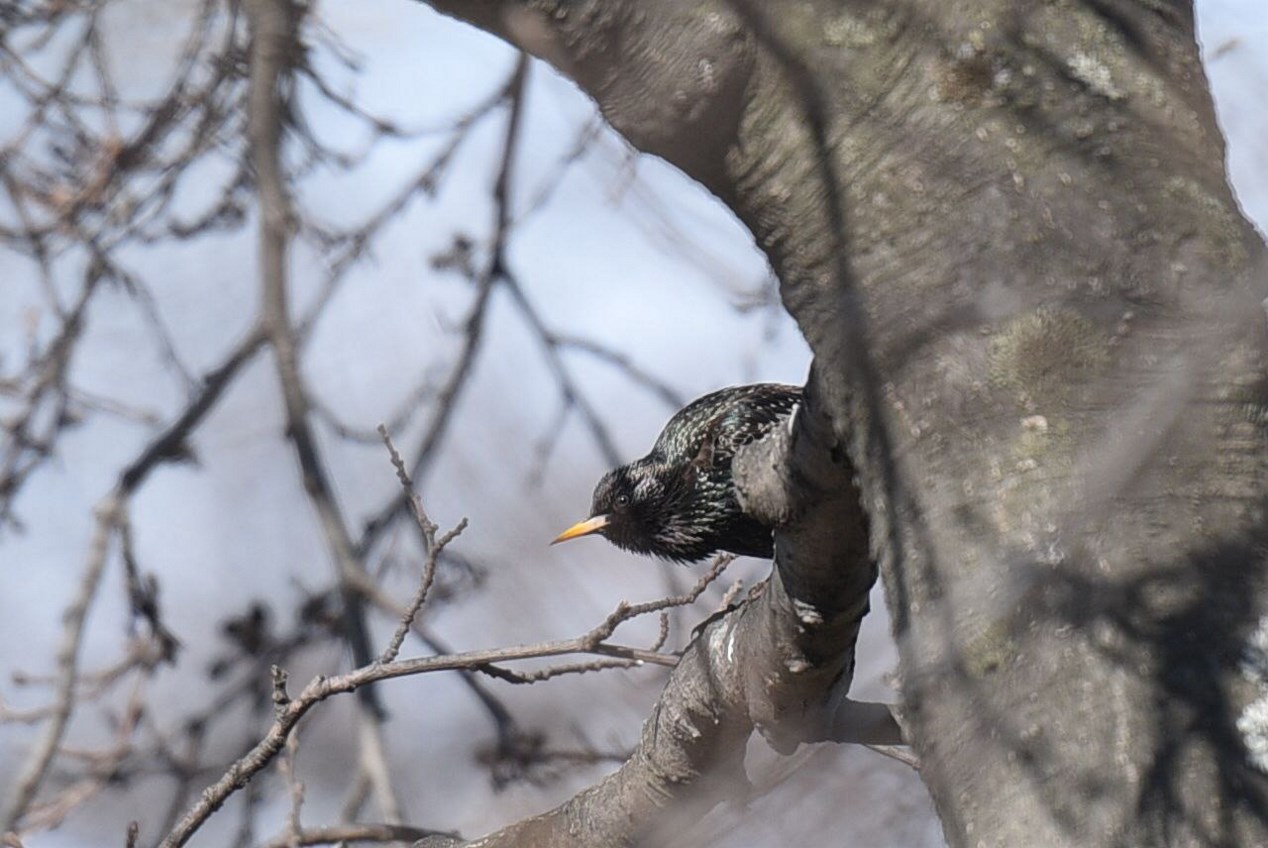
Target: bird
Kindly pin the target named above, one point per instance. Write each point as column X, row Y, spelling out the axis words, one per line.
column 678, row 502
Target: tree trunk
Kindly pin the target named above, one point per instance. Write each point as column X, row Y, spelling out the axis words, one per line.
column 1038, row 324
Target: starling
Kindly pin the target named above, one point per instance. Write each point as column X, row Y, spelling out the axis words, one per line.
column 679, row 502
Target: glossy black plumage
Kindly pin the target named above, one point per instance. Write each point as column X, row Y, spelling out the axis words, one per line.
column 679, row 502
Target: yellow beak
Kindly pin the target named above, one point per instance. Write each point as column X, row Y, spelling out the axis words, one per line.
column 582, row 528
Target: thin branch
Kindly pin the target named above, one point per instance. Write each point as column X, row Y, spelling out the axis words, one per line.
column 26, row 449
column 372, row 761
column 447, row 398
column 102, row 767
column 666, row 393
column 171, row 444
column 286, row 765
column 504, row 724
column 321, row 688
column 354, row 833
column 432, row 545
column 41, row 756
column 572, row 394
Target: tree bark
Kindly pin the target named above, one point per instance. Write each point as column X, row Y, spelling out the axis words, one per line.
column 1039, row 330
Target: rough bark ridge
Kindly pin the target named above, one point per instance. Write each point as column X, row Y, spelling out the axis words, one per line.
column 1038, row 324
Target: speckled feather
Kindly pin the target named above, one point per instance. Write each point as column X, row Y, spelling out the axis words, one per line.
column 679, row 502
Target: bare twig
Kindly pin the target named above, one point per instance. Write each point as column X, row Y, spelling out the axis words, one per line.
column 431, row 544
column 372, row 761
column 624, row 612
column 666, row 393
column 45, row 401
column 572, row 395
column 171, row 444
column 37, row 763
column 447, row 396
column 508, row 730
column 347, row 833
column 101, row 767
column 286, row 765
column 518, row 677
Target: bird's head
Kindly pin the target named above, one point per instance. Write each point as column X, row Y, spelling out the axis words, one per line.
column 634, row 508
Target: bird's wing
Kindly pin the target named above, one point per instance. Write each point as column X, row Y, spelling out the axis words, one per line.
column 711, row 428
column 748, row 419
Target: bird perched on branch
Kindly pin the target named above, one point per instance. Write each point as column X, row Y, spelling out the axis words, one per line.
column 679, row 501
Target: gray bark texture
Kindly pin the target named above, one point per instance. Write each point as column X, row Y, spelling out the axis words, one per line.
column 1040, row 338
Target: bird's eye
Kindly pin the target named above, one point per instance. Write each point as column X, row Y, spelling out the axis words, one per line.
column 622, row 501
